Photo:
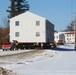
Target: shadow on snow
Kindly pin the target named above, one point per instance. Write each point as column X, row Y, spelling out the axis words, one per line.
column 62, row 49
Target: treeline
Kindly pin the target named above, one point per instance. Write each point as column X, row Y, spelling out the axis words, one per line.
column 4, row 35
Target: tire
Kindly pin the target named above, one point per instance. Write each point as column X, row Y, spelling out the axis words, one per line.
column 3, row 49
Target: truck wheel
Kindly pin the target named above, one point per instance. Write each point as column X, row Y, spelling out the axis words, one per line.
column 14, row 48
column 3, row 49
column 54, row 46
column 6, row 49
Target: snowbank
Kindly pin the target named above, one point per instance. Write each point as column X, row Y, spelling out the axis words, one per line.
column 24, row 62
column 4, row 53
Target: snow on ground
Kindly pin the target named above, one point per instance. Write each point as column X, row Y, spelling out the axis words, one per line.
column 39, row 62
column 67, row 46
column 8, row 52
column 9, row 60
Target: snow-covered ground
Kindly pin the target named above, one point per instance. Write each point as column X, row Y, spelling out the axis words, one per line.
column 59, row 61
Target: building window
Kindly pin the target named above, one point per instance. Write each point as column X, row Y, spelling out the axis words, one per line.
column 37, row 34
column 57, row 37
column 16, row 34
column 37, row 23
column 67, row 39
column 72, row 34
column 67, row 35
column 17, row 23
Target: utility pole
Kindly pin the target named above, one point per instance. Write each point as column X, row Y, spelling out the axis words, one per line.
column 75, row 30
column 74, row 23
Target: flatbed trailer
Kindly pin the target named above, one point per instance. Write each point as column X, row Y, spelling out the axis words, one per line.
column 35, row 45
column 18, row 45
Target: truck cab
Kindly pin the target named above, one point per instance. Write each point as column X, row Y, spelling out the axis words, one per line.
column 6, row 46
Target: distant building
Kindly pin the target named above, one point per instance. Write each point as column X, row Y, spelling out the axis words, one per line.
column 69, row 37
column 66, row 37
column 59, row 36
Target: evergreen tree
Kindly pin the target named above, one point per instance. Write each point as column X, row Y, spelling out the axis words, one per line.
column 17, row 7
column 21, row 6
column 12, row 9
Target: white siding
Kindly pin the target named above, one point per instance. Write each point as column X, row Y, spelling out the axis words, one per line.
column 27, row 28
column 69, row 38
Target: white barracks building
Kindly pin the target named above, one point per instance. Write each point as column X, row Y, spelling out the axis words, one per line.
column 69, row 37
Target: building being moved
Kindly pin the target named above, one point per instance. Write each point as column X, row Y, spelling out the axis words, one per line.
column 31, row 28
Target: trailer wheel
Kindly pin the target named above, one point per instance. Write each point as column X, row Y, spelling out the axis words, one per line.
column 54, row 46
column 6, row 49
column 3, row 49
column 13, row 46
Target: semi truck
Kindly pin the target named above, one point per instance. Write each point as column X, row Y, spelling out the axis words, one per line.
column 6, row 46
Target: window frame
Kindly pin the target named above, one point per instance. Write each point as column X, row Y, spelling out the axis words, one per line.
column 16, row 23
column 16, row 34
column 37, row 23
column 37, row 34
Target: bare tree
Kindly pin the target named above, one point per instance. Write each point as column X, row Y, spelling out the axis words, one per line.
column 4, row 31
column 5, row 22
column 70, row 27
